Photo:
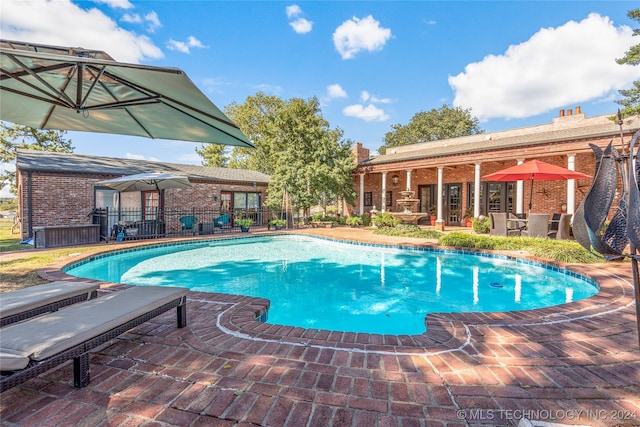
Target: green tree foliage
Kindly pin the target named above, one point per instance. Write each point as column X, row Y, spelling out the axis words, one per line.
column 443, row 123
column 213, row 155
column 631, row 100
column 257, row 118
column 13, row 136
column 296, row 147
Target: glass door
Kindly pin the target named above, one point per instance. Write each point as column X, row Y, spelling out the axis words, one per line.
column 453, row 204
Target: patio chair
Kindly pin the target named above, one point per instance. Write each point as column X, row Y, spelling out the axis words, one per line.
column 563, row 230
column 188, row 223
column 222, row 222
column 41, row 343
column 555, row 220
column 515, row 225
column 537, row 226
column 35, row 300
column 498, row 221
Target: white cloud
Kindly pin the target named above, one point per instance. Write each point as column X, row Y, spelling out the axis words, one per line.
column 73, row 26
column 556, row 67
column 355, row 35
column 301, row 26
column 293, row 11
column 153, row 21
column 184, row 47
column 369, row 113
column 150, row 18
column 131, row 18
column 116, row 4
column 367, row 97
column 336, row 91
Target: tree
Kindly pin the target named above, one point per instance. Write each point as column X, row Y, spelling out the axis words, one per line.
column 257, row 118
column 213, row 155
column 434, row 125
column 13, row 136
column 631, row 101
column 296, row 147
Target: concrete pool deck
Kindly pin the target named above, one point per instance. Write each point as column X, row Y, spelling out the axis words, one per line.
column 578, row 363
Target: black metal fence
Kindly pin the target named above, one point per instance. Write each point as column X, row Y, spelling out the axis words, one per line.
column 128, row 224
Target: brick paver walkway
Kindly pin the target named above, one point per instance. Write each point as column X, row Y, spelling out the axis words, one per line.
column 574, row 364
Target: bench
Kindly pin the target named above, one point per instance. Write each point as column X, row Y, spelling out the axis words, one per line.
column 35, row 300
column 36, row 345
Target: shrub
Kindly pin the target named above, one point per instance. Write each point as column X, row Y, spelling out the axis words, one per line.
column 567, row 251
column 354, row 220
column 481, row 224
column 278, row 222
column 366, row 219
column 243, row 222
column 385, row 220
column 408, row 230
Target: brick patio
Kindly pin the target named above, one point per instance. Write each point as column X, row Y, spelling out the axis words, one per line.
column 578, row 363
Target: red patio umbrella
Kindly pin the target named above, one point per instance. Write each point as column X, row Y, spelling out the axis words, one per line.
column 534, row 170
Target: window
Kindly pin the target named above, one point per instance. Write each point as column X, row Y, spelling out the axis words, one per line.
column 243, row 200
column 368, row 198
column 151, row 204
column 389, row 198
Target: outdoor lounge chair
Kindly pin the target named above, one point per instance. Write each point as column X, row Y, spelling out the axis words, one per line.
column 222, row 222
column 36, row 345
column 34, row 300
column 188, row 223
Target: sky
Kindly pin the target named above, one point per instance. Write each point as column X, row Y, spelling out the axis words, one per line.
column 371, row 64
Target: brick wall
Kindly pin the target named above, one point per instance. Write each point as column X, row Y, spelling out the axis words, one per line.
column 548, row 196
column 68, row 199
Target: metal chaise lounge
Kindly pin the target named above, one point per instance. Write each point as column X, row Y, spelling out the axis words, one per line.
column 35, row 300
column 36, row 345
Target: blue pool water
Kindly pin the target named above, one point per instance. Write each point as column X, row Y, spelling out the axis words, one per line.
column 317, row 283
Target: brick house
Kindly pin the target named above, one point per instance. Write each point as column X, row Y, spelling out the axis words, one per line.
column 57, row 189
column 454, row 168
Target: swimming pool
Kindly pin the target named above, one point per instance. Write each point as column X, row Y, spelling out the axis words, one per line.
column 325, row 284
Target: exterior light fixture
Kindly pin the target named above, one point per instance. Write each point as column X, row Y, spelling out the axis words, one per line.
column 394, row 179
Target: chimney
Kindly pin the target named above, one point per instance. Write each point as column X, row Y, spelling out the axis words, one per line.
column 360, row 153
column 578, row 109
column 569, row 112
column 561, row 113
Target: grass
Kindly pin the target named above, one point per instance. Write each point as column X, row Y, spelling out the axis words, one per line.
column 23, row 271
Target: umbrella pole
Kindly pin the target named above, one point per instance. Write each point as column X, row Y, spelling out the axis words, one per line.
column 530, row 196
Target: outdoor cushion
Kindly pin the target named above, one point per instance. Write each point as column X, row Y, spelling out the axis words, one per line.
column 12, row 360
column 44, row 336
column 31, row 298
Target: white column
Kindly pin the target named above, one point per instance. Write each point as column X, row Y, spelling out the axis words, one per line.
column 571, row 186
column 409, row 179
column 384, row 192
column 361, row 194
column 520, row 193
column 476, row 192
column 440, row 171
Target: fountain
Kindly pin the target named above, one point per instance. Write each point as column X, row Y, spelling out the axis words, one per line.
column 407, row 202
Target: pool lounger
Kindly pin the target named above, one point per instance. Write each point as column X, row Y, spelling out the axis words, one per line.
column 34, row 346
column 35, row 300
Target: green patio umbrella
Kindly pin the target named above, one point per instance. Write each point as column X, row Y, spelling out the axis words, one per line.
column 76, row 89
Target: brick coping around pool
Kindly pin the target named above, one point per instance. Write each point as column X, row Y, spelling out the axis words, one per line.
column 576, row 363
